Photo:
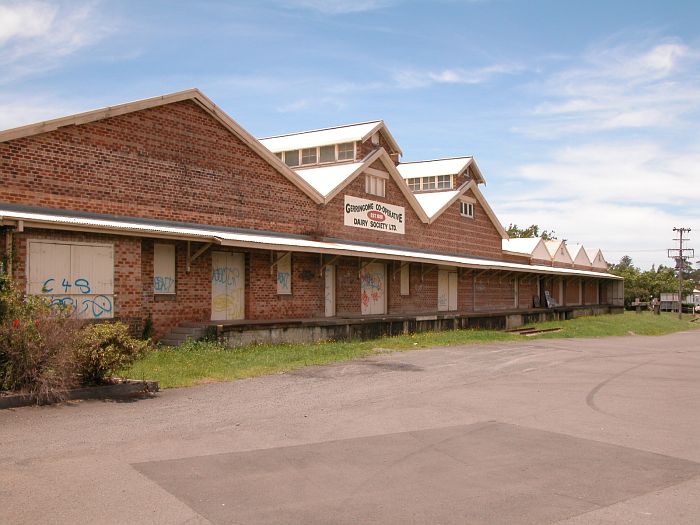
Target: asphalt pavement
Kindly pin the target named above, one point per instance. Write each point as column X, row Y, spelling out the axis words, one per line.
column 576, row 431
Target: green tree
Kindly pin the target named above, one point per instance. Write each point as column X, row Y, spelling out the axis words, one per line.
column 531, row 231
column 647, row 284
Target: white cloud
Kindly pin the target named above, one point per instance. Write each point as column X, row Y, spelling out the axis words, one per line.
column 621, row 196
column 25, row 20
column 37, row 36
column 413, row 78
column 626, row 86
column 18, row 110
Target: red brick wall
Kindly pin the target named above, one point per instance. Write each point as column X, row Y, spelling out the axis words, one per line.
column 494, row 292
column 450, row 233
column 590, row 292
column 366, row 148
column 192, row 301
column 176, row 162
column 571, row 290
column 347, row 287
column 527, row 289
column 173, row 162
column 422, row 295
column 262, row 300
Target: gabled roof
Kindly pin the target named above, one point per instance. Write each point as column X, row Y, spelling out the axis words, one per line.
column 328, row 181
column 558, row 251
column 533, row 247
column 325, row 179
column 598, row 260
column 579, row 254
column 190, row 94
column 434, row 202
column 435, row 167
column 327, row 136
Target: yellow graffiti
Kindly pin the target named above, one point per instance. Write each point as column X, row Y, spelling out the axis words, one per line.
column 231, row 304
column 223, row 302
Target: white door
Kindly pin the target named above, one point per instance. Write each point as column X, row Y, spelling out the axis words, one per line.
column 452, row 302
column 447, row 291
column 227, row 286
column 329, row 291
column 373, row 289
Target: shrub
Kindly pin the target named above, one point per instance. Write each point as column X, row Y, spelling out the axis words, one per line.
column 105, row 348
column 36, row 343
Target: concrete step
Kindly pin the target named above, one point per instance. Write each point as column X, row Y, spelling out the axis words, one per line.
column 184, row 331
column 188, row 331
column 192, row 324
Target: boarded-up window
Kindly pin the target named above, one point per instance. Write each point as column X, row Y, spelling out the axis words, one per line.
column 405, row 275
column 284, row 274
column 164, row 269
column 77, row 276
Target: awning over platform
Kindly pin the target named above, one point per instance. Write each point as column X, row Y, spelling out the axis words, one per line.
column 262, row 241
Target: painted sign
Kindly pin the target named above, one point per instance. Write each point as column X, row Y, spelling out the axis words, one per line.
column 373, row 215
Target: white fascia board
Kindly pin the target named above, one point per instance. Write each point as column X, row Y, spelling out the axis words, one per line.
column 273, row 242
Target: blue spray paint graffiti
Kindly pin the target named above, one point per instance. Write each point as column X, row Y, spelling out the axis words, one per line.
column 164, row 284
column 225, row 275
column 85, row 308
column 75, row 301
column 82, row 284
column 284, row 280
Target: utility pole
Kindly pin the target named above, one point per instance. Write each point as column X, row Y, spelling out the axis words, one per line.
column 680, row 254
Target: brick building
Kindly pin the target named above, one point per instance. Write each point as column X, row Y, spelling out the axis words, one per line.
column 166, row 209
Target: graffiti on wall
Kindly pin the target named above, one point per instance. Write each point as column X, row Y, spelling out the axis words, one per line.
column 372, row 289
column 75, row 297
column 163, row 284
column 227, row 286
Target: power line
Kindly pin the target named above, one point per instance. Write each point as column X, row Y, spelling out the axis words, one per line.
column 680, row 255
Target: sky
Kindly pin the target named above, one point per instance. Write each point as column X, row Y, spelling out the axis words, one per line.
column 582, row 116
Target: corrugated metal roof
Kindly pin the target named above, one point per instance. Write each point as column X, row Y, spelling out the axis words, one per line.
column 275, row 242
column 431, row 168
column 433, row 202
column 326, row 178
column 320, row 137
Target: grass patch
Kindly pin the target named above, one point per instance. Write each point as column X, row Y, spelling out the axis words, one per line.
column 202, row 362
column 629, row 323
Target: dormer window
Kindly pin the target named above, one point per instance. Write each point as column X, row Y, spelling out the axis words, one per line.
column 346, row 151
column 318, row 155
column 291, row 158
column 326, row 154
column 441, row 182
column 444, row 182
column 309, row 156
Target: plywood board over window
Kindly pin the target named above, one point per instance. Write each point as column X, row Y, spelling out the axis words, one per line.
column 164, row 269
column 284, row 274
column 405, row 279
column 76, row 276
